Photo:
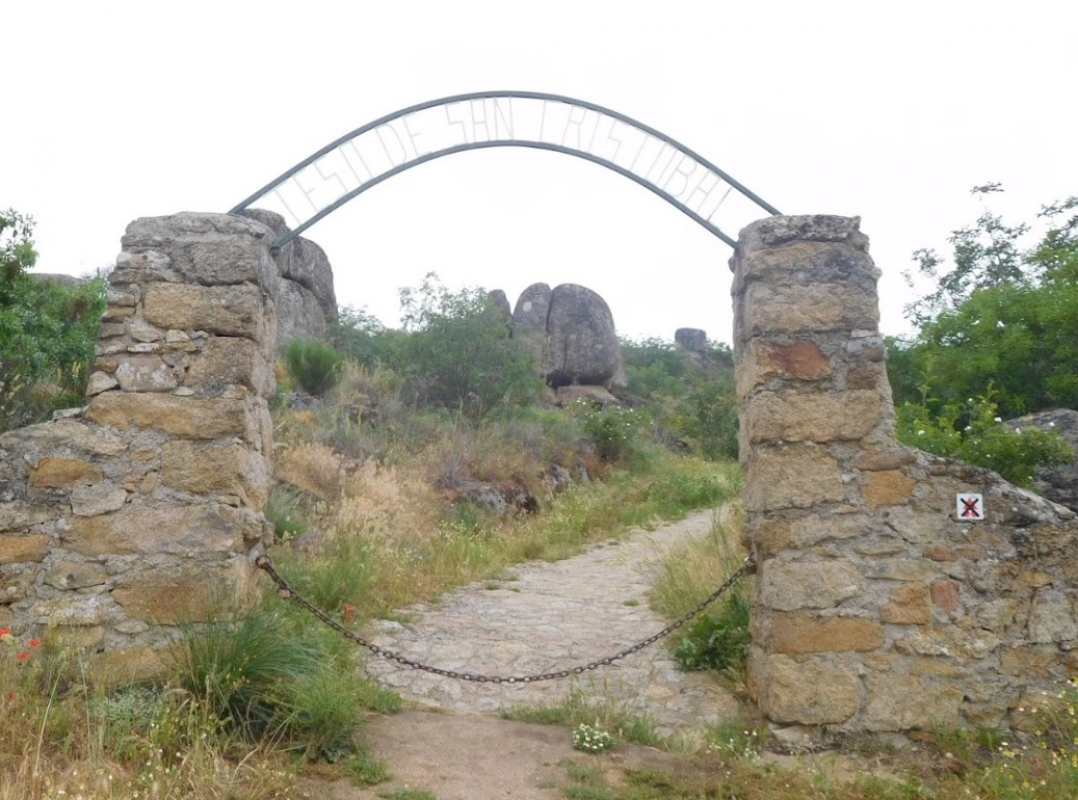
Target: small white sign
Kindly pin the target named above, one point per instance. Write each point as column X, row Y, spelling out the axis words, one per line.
column 969, row 507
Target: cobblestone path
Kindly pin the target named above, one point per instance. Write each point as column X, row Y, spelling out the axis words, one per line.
column 542, row 617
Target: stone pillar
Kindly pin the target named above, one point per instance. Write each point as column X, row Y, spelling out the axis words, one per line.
column 876, row 607
column 143, row 509
column 811, row 386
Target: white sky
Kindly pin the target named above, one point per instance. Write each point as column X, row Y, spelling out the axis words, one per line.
column 889, row 111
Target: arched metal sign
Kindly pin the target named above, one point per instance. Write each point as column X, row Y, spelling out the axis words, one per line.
column 349, row 166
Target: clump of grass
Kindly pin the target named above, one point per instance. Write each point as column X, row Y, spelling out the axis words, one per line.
column 314, row 365
column 286, row 510
column 596, row 713
column 268, row 674
column 366, row 770
column 312, row 468
column 719, row 637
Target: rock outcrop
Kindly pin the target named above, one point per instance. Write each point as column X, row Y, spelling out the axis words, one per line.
column 584, row 345
column 692, row 339
column 501, row 302
column 304, row 296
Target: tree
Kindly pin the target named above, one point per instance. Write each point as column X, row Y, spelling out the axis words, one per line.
column 47, row 331
column 458, row 352
column 1003, row 314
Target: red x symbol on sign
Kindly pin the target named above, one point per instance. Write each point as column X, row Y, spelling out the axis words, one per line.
column 969, row 507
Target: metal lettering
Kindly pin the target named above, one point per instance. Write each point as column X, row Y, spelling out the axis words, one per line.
column 460, row 122
column 479, row 121
column 700, row 190
column 643, row 144
column 351, row 145
column 306, row 192
column 572, row 122
column 662, row 149
column 684, row 174
column 718, row 205
column 663, row 172
column 385, row 145
column 295, row 216
column 396, row 142
column 500, row 117
column 412, row 134
column 610, row 137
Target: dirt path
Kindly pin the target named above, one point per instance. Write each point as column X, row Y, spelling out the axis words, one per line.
column 539, row 617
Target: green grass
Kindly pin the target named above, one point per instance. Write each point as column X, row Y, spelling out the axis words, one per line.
column 366, row 770
column 717, row 639
column 407, row 794
column 622, row 722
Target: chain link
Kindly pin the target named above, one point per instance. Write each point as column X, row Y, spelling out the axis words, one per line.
column 286, row 591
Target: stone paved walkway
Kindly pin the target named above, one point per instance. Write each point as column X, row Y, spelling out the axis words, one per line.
column 542, row 617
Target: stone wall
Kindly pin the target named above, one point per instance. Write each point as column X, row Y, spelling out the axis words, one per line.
column 143, row 509
column 876, row 608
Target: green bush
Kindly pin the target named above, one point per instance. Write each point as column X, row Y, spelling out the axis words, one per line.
column 718, row 640
column 707, row 417
column 47, row 331
column 975, row 433
column 316, row 366
column 364, row 339
column 458, row 353
column 614, row 430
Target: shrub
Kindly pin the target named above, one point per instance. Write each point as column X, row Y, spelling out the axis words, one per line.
column 363, row 338
column 973, row 432
column 314, row 365
column 718, row 640
column 614, row 430
column 458, row 353
column 707, row 417
column 47, row 331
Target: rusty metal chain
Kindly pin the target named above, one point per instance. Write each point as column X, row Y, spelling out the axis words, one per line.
column 264, row 563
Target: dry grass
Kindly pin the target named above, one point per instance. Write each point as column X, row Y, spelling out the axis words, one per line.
column 312, row 468
column 689, row 573
column 62, row 738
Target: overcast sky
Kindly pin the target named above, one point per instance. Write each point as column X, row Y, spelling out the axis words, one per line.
column 889, row 111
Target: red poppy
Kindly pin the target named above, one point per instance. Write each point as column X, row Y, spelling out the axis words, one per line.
column 35, row 643
column 10, row 695
column 348, row 611
column 5, row 632
column 22, row 656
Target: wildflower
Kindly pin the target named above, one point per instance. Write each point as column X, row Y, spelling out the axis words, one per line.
column 35, row 643
column 349, row 611
column 921, row 432
column 10, row 695
column 999, row 419
column 5, row 634
column 22, row 656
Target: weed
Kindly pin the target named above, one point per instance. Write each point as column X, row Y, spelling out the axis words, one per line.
column 592, row 738
column 719, row 638
column 366, row 770
column 407, row 794
column 315, row 366
column 285, row 510
column 579, row 710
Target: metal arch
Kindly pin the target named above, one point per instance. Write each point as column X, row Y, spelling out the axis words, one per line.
column 480, row 145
